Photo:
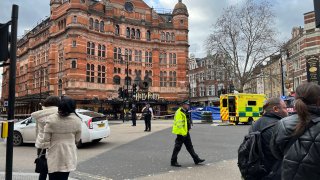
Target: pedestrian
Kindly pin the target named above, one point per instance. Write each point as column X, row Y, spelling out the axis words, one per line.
column 62, row 132
column 148, row 115
column 134, row 114
column 49, row 107
column 181, row 128
column 296, row 140
column 273, row 111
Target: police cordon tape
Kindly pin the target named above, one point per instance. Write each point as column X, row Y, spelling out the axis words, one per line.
column 165, row 116
column 5, row 128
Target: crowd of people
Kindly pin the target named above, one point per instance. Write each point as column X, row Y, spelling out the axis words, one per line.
column 290, row 144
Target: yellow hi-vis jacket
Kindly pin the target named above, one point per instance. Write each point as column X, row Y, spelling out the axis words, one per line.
column 180, row 126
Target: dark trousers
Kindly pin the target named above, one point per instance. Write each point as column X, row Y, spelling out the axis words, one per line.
column 133, row 121
column 147, row 122
column 42, row 176
column 59, row 176
column 186, row 140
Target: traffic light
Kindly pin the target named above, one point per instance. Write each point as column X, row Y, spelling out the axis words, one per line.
column 120, row 92
column 134, row 89
column 4, row 41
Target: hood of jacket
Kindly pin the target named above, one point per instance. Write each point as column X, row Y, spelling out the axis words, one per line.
column 39, row 115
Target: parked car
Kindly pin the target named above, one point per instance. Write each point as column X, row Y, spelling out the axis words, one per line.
column 95, row 127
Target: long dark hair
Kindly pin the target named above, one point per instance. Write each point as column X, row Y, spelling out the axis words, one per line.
column 66, row 106
column 306, row 94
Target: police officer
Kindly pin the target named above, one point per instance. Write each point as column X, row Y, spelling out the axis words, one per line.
column 181, row 127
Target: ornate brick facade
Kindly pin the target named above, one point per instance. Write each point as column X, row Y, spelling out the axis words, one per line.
column 82, row 49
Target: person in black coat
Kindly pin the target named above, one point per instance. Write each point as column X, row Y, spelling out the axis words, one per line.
column 296, row 140
column 134, row 115
column 274, row 110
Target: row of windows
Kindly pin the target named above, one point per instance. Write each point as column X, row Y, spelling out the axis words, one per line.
column 91, row 49
column 172, row 58
column 117, row 80
column 101, row 74
column 62, row 24
column 170, row 81
column 132, row 33
column 96, row 25
column 128, row 55
column 167, row 37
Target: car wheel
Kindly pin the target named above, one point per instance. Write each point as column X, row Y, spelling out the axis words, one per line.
column 79, row 144
column 17, row 138
column 96, row 140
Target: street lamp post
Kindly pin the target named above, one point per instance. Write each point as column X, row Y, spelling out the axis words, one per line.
column 40, row 84
column 127, row 84
column 281, row 71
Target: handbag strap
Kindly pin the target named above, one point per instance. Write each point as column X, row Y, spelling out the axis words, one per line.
column 41, row 153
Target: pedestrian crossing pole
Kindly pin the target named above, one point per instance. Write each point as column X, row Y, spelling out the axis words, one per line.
column 12, row 84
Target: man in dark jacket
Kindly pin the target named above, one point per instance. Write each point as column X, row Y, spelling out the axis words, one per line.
column 273, row 110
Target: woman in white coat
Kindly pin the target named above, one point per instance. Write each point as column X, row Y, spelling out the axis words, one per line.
column 62, row 132
column 49, row 107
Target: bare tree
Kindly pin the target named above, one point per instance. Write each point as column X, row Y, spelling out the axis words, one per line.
column 246, row 34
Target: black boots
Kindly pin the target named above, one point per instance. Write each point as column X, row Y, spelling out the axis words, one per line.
column 197, row 161
column 175, row 164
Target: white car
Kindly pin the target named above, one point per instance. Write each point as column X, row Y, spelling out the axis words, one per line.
column 95, row 127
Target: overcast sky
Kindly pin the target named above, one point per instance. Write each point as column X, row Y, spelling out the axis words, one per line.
column 202, row 15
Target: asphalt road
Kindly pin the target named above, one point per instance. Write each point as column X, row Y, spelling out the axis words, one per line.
column 150, row 155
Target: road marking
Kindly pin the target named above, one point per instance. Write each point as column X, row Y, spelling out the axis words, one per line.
column 171, row 171
column 91, row 176
column 189, row 167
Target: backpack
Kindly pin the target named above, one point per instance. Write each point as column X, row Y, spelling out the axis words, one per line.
column 250, row 156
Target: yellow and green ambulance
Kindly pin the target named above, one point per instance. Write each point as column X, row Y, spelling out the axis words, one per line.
column 241, row 107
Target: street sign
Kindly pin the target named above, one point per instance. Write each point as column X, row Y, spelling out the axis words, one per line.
column 5, row 103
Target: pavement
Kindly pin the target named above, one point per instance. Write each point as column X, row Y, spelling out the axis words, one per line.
column 130, row 153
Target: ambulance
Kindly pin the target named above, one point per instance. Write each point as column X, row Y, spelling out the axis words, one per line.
column 241, row 107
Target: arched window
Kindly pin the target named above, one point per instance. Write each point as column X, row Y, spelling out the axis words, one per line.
column 130, row 55
column 60, row 87
column 173, row 37
column 117, row 30
column 114, row 70
column 148, row 35
column 150, row 73
column 92, row 49
column 174, row 58
column 92, row 73
column 174, row 83
column 101, row 74
column 90, row 23
column 103, row 51
column 115, row 53
column 130, row 71
column 96, row 25
column 116, row 79
column 163, row 36
column 168, row 37
column 138, row 34
column 88, row 73
column 119, row 70
column 133, row 33
column 119, row 53
column 99, row 50
column 88, row 48
column 128, row 32
column 101, row 26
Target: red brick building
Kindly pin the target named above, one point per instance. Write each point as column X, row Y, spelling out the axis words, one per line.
column 83, row 48
column 305, row 43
